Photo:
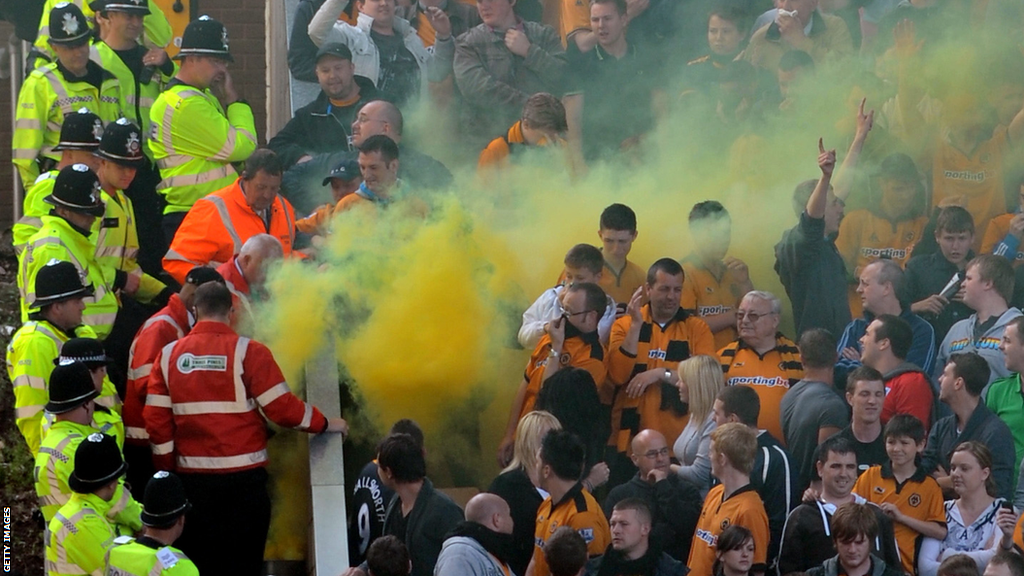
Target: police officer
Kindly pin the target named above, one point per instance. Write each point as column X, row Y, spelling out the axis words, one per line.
column 164, row 519
column 56, row 318
column 79, row 138
column 55, row 90
column 65, row 236
column 81, row 533
column 72, row 405
column 199, row 124
column 106, row 417
column 142, row 73
column 156, row 31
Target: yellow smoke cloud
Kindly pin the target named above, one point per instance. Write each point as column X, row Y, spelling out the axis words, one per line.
column 422, row 300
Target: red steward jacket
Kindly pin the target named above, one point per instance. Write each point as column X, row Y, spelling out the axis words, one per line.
column 164, row 327
column 204, row 399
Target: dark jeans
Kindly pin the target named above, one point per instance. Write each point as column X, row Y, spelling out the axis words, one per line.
column 140, row 469
column 226, row 530
column 149, row 208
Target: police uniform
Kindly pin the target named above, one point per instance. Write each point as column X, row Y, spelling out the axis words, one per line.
column 80, row 533
column 919, row 497
column 156, row 30
column 77, row 189
column 194, row 140
column 165, row 502
column 116, row 234
column 81, row 131
column 106, row 418
column 71, row 387
column 35, row 346
column 50, row 93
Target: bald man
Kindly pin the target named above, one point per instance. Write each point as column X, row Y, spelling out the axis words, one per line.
column 674, row 502
column 304, row 185
column 480, row 546
column 246, row 272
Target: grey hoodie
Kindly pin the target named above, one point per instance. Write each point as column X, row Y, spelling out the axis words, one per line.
column 831, row 568
column 464, row 556
column 960, row 340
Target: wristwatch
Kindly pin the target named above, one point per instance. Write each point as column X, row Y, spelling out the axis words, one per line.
column 668, row 375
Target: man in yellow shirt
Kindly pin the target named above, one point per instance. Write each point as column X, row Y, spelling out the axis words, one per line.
column 713, row 282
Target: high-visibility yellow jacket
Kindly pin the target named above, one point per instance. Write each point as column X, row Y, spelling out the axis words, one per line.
column 45, row 98
column 104, row 419
column 33, row 209
column 79, row 537
column 54, row 465
column 58, row 240
column 194, row 141
column 136, row 99
column 117, row 244
column 156, row 29
column 30, row 357
column 147, row 557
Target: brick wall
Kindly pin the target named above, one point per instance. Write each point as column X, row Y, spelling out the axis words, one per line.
column 245, row 20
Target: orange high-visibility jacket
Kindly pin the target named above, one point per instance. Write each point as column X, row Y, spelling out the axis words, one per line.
column 216, row 227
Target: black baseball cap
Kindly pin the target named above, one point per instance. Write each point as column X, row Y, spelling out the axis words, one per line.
column 346, row 170
column 334, row 49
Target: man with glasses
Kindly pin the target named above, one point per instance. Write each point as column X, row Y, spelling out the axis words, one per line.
column 569, row 341
column 674, row 502
column 306, row 184
column 762, row 357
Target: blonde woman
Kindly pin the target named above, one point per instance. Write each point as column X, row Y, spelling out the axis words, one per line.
column 700, row 379
column 516, row 484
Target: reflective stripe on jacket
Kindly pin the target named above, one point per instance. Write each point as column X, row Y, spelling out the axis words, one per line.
column 57, row 240
column 216, row 227
column 45, row 98
column 194, row 141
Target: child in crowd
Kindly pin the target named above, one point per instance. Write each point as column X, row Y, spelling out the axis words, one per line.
column 583, row 264
column 911, row 498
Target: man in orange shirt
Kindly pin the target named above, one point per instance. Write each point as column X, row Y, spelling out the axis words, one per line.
column 561, row 460
column 1004, row 233
column 570, row 341
column 618, row 231
column 216, row 227
column 733, row 502
column 645, row 348
column 762, row 357
column 894, row 224
column 713, row 283
column 542, row 124
column 344, row 179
